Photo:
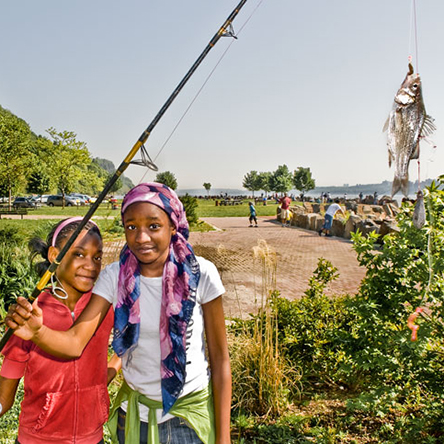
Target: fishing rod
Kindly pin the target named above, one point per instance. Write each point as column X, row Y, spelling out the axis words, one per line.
column 225, row 30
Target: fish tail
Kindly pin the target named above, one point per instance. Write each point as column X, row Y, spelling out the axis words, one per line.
column 400, row 183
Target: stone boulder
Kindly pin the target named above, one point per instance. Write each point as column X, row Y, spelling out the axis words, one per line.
column 388, row 226
column 297, row 209
column 367, row 226
column 316, row 221
column 350, row 225
column 308, row 207
column 301, row 221
column 390, row 209
column 338, row 228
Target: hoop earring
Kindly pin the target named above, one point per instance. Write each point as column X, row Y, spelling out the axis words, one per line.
column 55, row 287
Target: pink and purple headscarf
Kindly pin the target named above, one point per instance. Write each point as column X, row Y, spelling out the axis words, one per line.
column 180, row 279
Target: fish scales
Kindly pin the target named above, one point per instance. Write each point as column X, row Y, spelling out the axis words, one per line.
column 406, row 124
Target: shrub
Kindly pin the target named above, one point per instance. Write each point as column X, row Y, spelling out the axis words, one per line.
column 405, row 274
column 314, row 332
column 16, row 275
column 190, row 205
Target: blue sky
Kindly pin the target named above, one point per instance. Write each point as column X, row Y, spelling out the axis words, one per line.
column 306, row 83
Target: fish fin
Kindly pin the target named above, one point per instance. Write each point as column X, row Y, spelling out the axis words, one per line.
column 386, row 125
column 390, row 158
column 400, row 183
column 415, row 154
column 405, row 186
column 411, row 69
column 396, row 186
column 429, row 126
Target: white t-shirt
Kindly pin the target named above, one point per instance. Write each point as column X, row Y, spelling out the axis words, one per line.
column 142, row 373
column 332, row 209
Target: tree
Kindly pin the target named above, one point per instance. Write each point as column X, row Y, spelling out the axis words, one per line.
column 265, row 181
column 207, row 186
column 15, row 161
column 70, row 161
column 251, row 181
column 122, row 185
column 38, row 183
column 40, row 177
column 302, row 180
column 281, row 179
column 168, row 179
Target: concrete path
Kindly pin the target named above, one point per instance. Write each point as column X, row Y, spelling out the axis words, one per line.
column 297, row 250
column 230, row 247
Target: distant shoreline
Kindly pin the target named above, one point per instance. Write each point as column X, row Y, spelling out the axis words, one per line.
column 352, row 191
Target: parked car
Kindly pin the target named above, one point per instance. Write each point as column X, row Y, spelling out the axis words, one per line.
column 56, row 200
column 23, row 202
column 43, row 198
column 83, row 198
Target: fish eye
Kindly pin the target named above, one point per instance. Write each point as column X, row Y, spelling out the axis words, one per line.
column 415, row 85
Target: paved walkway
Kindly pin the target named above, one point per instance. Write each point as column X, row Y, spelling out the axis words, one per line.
column 297, row 250
column 230, row 247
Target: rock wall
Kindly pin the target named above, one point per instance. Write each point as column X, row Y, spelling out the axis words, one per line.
column 362, row 217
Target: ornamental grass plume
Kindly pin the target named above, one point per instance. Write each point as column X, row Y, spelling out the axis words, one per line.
column 263, row 381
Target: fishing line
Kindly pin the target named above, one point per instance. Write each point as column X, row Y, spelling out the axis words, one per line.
column 229, row 34
column 413, row 34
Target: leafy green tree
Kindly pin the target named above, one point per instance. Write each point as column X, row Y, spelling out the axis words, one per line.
column 94, row 180
column 38, row 183
column 207, row 186
column 116, row 185
column 15, row 161
column 123, row 184
column 39, row 178
column 70, row 161
column 168, row 179
column 281, row 179
column 265, row 181
column 302, row 180
column 251, row 182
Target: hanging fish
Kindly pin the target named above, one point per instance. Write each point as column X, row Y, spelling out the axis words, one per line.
column 419, row 214
column 406, row 124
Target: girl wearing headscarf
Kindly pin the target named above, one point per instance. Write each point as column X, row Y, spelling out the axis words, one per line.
column 168, row 311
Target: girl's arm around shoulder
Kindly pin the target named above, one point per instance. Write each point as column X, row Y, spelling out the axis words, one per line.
column 216, row 337
column 27, row 321
column 8, row 389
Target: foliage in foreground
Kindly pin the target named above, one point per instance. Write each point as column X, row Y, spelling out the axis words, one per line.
column 357, row 351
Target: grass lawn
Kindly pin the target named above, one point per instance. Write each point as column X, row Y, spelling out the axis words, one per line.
column 103, row 210
column 208, row 208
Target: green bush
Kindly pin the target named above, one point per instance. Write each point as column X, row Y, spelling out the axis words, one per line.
column 16, row 275
column 406, row 273
column 190, row 205
column 314, row 331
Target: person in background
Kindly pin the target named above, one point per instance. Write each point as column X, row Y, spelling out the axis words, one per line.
column 285, row 203
column 328, row 218
column 65, row 401
column 252, row 218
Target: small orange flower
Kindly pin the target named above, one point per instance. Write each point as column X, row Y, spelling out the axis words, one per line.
column 411, row 323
